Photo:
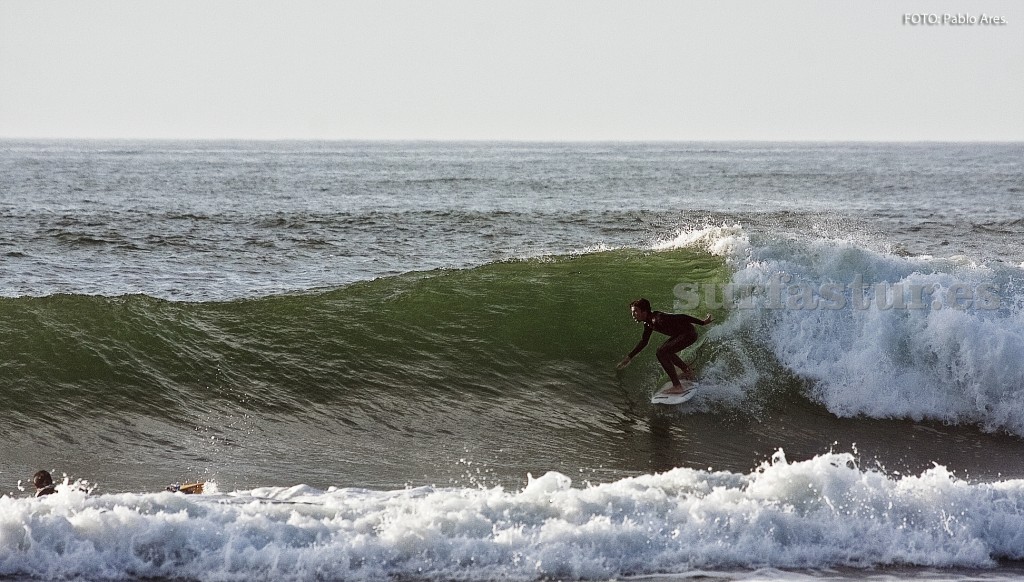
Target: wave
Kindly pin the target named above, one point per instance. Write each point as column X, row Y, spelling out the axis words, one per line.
column 822, row 513
column 499, row 332
column 871, row 331
column 494, row 337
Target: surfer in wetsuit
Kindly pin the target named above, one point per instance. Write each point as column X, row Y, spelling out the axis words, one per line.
column 681, row 334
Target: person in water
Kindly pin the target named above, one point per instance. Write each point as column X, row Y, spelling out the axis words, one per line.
column 44, row 483
column 681, row 334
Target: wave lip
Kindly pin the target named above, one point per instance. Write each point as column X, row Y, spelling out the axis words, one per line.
column 819, row 513
column 728, row 241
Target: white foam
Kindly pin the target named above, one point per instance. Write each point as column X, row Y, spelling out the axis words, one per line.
column 729, row 241
column 955, row 365
column 819, row 513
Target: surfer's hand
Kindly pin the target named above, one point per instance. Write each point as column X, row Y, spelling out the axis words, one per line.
column 708, row 319
column 625, row 362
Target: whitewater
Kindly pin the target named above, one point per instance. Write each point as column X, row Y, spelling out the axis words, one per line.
column 396, row 360
column 822, row 512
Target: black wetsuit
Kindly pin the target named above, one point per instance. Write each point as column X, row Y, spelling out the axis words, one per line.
column 48, row 490
column 681, row 334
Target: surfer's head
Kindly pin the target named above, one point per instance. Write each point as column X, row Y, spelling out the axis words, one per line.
column 640, row 308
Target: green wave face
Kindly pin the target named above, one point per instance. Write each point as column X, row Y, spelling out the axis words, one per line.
column 502, row 330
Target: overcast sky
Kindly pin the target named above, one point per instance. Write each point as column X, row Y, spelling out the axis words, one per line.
column 544, row 70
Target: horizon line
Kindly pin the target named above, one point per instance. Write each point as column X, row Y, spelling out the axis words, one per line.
column 501, row 140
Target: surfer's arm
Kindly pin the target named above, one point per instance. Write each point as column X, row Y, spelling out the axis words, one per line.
column 648, row 330
column 691, row 319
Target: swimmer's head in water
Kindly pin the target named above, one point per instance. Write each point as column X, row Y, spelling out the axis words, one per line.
column 42, row 479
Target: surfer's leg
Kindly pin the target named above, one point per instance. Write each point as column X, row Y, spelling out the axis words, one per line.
column 669, row 357
column 670, row 369
column 687, row 370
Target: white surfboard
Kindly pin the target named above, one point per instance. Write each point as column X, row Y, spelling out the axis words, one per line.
column 689, row 386
column 661, row 398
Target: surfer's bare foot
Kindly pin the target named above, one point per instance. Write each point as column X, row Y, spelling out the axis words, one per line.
column 675, row 389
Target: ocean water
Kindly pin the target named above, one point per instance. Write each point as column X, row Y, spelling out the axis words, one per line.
column 397, row 360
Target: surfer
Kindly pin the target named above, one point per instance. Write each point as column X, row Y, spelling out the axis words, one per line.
column 681, row 334
column 44, row 483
